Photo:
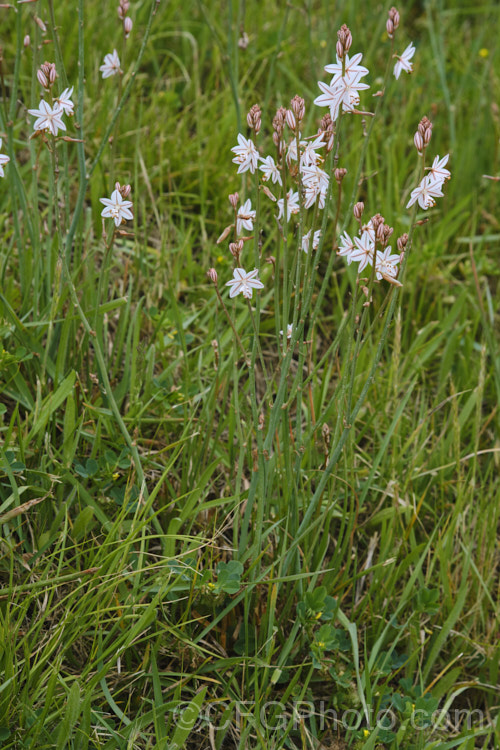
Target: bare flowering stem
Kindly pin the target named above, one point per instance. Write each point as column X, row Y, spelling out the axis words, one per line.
column 212, row 275
column 84, row 174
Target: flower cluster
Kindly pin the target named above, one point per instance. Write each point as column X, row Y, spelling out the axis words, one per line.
column 430, row 185
column 369, row 247
column 301, row 159
column 342, row 92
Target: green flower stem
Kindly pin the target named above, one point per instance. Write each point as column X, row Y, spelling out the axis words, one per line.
column 84, row 174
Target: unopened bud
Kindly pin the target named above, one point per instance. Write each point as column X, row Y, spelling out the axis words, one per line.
column 127, row 26
column 290, row 119
column 428, row 134
column 279, row 121
column 267, row 192
column 123, row 8
column 402, row 242
column 212, row 275
column 225, row 234
column 345, row 37
column 358, row 210
column 234, row 199
column 394, row 16
column 42, row 78
column 423, row 125
column 377, row 221
column 380, row 232
column 235, row 249
column 298, row 107
column 340, row 173
column 27, row 40
column 254, row 118
column 389, row 28
column 271, row 260
column 125, row 191
column 40, row 25
column 52, row 73
column 418, row 141
column 339, row 49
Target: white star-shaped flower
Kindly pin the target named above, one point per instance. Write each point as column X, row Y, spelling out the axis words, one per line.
column 270, row 170
column 245, row 217
column 246, row 155
column 352, row 68
column 403, row 62
column 3, row 160
column 116, row 208
column 289, row 331
column 343, row 93
column 385, row 264
column 111, row 65
column 315, row 181
column 64, row 101
column 292, row 205
column 48, row 118
column 331, row 97
column 309, row 157
column 346, row 247
column 363, row 251
column 438, row 171
column 306, row 240
column 243, row 283
column 426, row 192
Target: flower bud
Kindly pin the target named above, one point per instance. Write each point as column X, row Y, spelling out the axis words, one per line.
column 123, row 8
column 233, row 200
column 27, row 40
column 402, row 242
column 394, row 16
column 358, row 209
column 212, row 275
column 254, row 118
column 423, row 125
column 290, row 119
column 340, row 173
column 419, row 142
column 42, row 78
column 389, row 28
column 40, row 24
column 127, row 26
column 125, row 191
column 339, row 48
column 235, row 249
column 427, row 134
column 377, row 221
column 344, row 36
column 298, row 107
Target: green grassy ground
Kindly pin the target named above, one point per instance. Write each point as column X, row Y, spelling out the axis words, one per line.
column 144, row 601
